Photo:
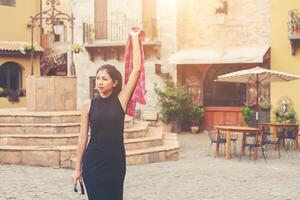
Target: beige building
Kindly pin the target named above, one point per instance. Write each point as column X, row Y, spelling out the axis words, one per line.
column 15, row 32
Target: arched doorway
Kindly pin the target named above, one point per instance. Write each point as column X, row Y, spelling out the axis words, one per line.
column 11, row 76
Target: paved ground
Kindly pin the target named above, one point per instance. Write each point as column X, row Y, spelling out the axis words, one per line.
column 195, row 176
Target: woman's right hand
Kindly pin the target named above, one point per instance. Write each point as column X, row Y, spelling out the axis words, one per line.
column 76, row 176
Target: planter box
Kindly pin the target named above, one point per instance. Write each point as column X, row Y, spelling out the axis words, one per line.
column 51, row 93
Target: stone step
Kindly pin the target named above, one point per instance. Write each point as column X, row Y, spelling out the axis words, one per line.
column 26, row 128
column 168, row 151
column 38, row 139
column 22, row 116
column 128, row 122
column 139, row 129
column 64, row 156
column 153, row 138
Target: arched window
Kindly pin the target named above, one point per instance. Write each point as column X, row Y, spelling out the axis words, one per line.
column 222, row 93
column 11, row 76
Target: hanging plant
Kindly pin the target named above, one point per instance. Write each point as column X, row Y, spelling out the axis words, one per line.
column 26, row 48
column 77, row 48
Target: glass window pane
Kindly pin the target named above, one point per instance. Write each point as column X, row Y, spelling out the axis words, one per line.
column 222, row 93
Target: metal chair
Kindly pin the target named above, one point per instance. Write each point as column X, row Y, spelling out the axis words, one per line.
column 288, row 135
column 267, row 140
column 255, row 142
column 214, row 140
column 233, row 138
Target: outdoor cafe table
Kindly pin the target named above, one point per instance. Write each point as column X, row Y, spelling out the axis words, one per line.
column 275, row 126
column 237, row 130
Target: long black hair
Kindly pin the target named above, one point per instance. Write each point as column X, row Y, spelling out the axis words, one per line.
column 115, row 75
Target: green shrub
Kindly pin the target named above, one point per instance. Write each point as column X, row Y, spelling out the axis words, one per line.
column 196, row 115
column 247, row 113
column 285, row 117
column 174, row 102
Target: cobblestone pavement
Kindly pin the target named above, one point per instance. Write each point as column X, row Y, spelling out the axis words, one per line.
column 195, row 176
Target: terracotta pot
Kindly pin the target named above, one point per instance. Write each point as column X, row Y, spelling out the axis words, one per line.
column 195, row 129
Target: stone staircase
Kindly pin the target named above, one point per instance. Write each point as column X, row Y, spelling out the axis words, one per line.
column 50, row 139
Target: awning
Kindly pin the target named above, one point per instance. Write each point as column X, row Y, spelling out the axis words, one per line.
column 16, row 45
column 214, row 55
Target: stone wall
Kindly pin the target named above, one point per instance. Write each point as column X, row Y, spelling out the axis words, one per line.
column 247, row 22
column 51, row 93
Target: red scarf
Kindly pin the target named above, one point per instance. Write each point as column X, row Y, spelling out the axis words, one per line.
column 139, row 93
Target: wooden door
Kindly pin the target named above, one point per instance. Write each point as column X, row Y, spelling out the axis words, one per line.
column 101, row 22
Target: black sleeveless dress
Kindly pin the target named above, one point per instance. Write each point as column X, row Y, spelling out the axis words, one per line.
column 104, row 161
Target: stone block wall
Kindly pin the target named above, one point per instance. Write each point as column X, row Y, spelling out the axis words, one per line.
column 51, row 93
column 247, row 22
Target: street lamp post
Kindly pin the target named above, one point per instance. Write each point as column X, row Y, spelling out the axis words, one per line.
column 55, row 18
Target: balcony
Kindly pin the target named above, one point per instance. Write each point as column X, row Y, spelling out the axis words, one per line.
column 107, row 38
column 294, row 29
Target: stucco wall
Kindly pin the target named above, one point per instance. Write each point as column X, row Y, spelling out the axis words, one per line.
column 281, row 54
column 13, row 21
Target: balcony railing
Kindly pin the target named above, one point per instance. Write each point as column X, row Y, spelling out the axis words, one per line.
column 117, row 30
column 294, row 28
column 294, row 22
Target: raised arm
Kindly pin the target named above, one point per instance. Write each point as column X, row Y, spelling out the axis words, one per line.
column 127, row 91
column 82, row 140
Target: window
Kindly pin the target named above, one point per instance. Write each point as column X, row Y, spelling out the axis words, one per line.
column 8, row 2
column 10, row 76
column 222, row 93
column 56, row 38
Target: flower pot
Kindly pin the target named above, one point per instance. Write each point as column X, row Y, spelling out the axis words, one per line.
column 195, row 129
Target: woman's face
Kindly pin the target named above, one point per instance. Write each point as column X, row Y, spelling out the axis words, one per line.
column 104, row 83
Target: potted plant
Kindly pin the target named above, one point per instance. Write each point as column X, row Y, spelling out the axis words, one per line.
column 264, row 112
column 2, row 92
column 13, row 96
column 247, row 115
column 286, row 117
column 174, row 102
column 77, row 48
column 285, row 113
column 264, row 104
column 196, row 118
column 26, row 48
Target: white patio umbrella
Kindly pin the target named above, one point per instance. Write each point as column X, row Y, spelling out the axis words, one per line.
column 257, row 75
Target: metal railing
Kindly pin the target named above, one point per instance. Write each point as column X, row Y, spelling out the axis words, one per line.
column 294, row 22
column 117, row 30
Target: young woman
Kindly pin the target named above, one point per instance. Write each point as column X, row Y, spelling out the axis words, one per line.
column 102, row 164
